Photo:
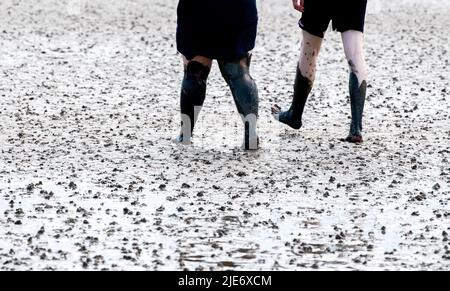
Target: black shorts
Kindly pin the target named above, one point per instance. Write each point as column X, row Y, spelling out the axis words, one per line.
column 345, row 15
column 216, row 29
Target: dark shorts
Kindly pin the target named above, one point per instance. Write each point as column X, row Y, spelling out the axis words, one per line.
column 345, row 15
column 216, row 29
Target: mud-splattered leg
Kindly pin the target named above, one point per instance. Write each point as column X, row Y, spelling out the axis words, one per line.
column 353, row 46
column 193, row 93
column 245, row 94
column 306, row 73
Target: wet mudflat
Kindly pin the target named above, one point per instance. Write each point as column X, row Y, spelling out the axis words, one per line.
column 89, row 178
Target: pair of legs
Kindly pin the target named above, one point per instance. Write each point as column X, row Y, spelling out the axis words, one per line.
column 243, row 89
column 306, row 72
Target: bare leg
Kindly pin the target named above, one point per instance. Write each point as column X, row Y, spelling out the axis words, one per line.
column 199, row 59
column 193, row 93
column 306, row 74
column 245, row 94
column 353, row 47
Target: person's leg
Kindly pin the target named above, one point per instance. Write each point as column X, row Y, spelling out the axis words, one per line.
column 353, row 46
column 306, row 73
column 245, row 94
column 193, row 93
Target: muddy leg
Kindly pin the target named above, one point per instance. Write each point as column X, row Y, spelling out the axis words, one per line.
column 245, row 94
column 353, row 46
column 193, row 93
column 306, row 73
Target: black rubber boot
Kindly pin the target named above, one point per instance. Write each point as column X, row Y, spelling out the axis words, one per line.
column 293, row 116
column 357, row 100
column 245, row 94
column 193, row 93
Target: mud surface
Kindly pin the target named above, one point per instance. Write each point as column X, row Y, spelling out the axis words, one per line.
column 90, row 180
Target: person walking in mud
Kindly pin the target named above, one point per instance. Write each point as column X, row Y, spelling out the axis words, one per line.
column 224, row 30
column 348, row 17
